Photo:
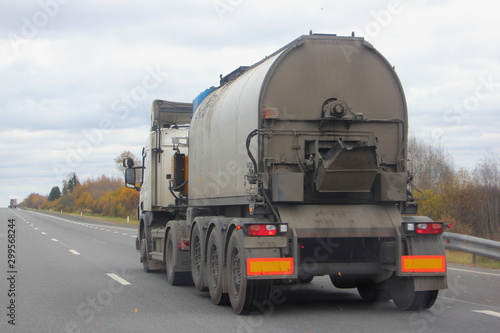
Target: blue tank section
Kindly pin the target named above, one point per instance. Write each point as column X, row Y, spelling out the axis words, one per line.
column 198, row 99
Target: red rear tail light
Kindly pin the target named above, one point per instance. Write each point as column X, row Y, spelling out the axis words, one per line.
column 184, row 245
column 262, row 230
column 271, row 113
column 429, row 228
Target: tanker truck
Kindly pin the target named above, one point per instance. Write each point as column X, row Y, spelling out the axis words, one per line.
column 291, row 168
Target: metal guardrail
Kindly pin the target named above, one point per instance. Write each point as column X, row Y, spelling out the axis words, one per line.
column 475, row 245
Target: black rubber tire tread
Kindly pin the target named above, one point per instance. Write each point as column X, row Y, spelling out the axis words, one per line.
column 406, row 298
column 369, row 292
column 305, row 278
column 251, row 294
column 174, row 278
column 342, row 282
column 144, row 257
column 197, row 273
column 214, row 270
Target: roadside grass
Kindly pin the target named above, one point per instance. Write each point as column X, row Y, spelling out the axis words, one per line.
column 464, row 258
column 120, row 220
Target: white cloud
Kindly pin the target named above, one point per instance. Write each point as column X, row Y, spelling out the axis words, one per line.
column 96, row 65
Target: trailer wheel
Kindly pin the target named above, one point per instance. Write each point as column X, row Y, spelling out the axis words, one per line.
column 369, row 292
column 197, row 262
column 174, row 278
column 215, row 271
column 406, row 298
column 342, row 282
column 146, row 263
column 306, row 278
column 244, row 294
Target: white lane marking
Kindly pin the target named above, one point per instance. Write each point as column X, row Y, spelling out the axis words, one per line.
column 124, row 234
column 36, row 228
column 74, row 252
column 467, row 302
column 44, row 233
column 133, row 236
column 488, row 312
column 471, row 271
column 65, row 220
column 119, row 279
column 115, row 232
column 55, row 240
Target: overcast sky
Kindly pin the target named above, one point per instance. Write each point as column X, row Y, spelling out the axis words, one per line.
column 78, row 77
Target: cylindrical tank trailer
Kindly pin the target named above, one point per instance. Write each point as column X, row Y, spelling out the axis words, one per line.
column 297, row 168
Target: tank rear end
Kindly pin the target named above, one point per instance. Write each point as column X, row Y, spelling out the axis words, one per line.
column 313, row 139
column 332, row 155
column 333, row 112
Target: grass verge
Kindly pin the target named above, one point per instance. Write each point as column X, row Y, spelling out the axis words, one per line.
column 464, row 258
column 120, row 220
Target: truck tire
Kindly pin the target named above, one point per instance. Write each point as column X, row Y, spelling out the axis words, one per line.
column 174, row 278
column 244, row 294
column 369, row 292
column 406, row 298
column 146, row 263
column 215, row 269
column 306, row 278
column 342, row 282
column 197, row 261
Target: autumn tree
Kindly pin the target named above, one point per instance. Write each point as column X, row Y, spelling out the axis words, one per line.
column 70, row 183
column 54, row 194
column 101, row 185
column 468, row 200
column 83, row 200
column 429, row 163
column 487, row 174
column 34, row 200
column 125, row 154
column 120, row 202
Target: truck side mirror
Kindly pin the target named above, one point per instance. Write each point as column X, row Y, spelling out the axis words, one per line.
column 128, row 162
column 130, row 178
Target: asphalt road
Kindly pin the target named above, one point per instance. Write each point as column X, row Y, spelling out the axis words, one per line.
column 69, row 274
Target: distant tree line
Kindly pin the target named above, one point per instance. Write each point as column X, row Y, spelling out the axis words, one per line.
column 104, row 195
column 469, row 200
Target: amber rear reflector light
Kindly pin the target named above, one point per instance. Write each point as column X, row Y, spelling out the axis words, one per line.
column 269, row 266
column 423, row 264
